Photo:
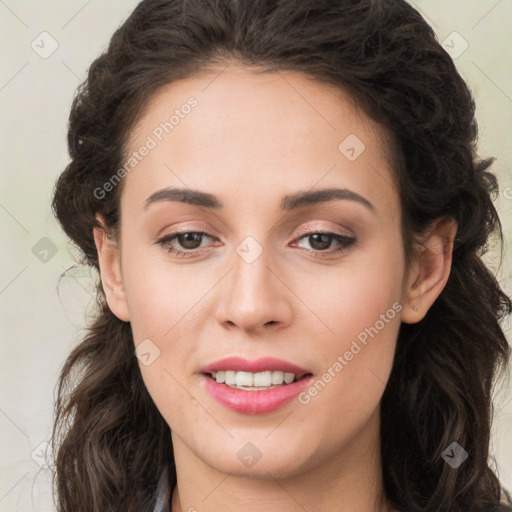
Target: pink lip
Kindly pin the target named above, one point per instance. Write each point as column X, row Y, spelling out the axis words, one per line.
column 255, row 402
column 239, row 364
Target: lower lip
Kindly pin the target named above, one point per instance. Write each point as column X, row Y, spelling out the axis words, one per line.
column 255, row 402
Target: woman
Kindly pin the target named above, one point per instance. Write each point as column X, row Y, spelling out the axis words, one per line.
column 286, row 210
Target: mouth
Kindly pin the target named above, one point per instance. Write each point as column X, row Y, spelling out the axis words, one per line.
column 254, row 387
column 259, row 381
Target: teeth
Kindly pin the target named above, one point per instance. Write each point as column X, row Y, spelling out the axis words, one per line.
column 277, row 378
column 248, row 379
column 262, row 379
column 243, row 379
column 230, row 378
column 289, row 377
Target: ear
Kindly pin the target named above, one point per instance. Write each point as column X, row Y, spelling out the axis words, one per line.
column 430, row 270
column 110, row 271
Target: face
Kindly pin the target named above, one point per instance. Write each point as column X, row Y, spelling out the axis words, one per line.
column 282, row 271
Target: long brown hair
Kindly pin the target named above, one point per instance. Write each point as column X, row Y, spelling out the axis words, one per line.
column 111, row 442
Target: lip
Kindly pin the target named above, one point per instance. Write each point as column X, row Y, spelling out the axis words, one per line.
column 255, row 402
column 239, row 364
column 260, row 401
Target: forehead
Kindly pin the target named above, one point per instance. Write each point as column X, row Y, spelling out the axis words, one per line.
column 236, row 128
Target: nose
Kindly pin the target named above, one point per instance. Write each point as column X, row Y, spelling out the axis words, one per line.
column 255, row 298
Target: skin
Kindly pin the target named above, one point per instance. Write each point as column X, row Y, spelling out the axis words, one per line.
column 251, row 140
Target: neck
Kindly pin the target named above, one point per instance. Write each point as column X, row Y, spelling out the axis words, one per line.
column 346, row 481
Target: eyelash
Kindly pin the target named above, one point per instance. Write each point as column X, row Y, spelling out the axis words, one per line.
column 346, row 242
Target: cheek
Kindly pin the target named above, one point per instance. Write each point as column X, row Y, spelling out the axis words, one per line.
column 161, row 296
column 165, row 303
column 359, row 305
column 163, row 309
column 352, row 296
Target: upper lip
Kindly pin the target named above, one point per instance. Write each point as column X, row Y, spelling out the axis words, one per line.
column 239, row 364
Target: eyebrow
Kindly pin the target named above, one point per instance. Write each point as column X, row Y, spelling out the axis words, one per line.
column 289, row 202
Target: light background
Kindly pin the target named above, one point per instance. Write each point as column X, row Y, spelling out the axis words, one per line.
column 38, row 326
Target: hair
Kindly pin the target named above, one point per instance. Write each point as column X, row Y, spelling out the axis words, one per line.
column 111, row 442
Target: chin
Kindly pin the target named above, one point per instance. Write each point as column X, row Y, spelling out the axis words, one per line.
column 259, row 460
column 261, row 470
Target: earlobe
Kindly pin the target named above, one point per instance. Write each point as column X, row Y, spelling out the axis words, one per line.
column 430, row 271
column 110, row 271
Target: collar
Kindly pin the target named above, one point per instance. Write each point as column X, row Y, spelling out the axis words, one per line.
column 163, row 493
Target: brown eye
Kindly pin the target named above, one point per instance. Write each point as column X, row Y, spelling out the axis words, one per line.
column 189, row 240
column 183, row 244
column 320, row 242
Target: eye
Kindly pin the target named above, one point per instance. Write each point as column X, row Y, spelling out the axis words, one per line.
column 188, row 241
column 320, row 241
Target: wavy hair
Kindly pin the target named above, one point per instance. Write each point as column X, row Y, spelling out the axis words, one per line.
column 111, row 443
